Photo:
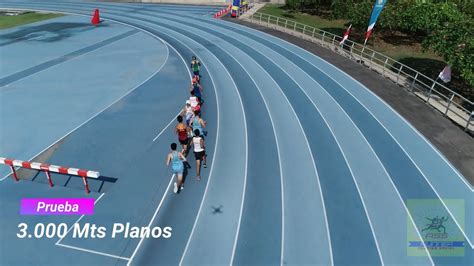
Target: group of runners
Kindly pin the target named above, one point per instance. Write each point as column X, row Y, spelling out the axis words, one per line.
column 190, row 132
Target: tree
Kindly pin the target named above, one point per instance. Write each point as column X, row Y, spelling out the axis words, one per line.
column 455, row 42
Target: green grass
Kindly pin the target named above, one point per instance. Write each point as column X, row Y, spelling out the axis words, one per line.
column 399, row 46
column 395, row 45
column 13, row 21
column 315, row 21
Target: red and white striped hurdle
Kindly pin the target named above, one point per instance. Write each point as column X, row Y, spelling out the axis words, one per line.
column 47, row 168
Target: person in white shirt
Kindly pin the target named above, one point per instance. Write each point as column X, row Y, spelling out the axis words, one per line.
column 199, row 152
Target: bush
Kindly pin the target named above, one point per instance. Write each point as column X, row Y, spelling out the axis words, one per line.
column 454, row 41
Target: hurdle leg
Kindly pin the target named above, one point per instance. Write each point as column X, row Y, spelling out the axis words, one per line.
column 14, row 173
column 50, row 181
column 86, row 185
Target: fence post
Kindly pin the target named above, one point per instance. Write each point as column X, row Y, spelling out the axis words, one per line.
column 371, row 59
column 268, row 21
column 449, row 104
column 352, row 47
column 384, row 66
column 333, row 39
column 469, row 121
column 314, row 29
column 398, row 74
column 286, row 23
column 431, row 90
column 413, row 82
column 278, row 19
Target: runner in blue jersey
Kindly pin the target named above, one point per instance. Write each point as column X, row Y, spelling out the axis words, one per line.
column 176, row 160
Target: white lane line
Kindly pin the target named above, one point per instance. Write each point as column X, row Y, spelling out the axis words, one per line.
column 93, row 252
column 159, row 206
column 449, row 164
column 279, row 160
column 408, row 155
column 273, row 39
column 307, row 144
column 163, row 130
column 77, row 221
column 107, row 107
column 368, row 216
column 151, row 220
column 357, row 128
column 343, row 154
column 210, row 174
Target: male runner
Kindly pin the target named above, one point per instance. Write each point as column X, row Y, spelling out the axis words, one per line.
column 187, row 112
column 195, row 65
column 197, row 123
column 176, row 159
column 182, row 132
column 194, row 101
column 199, row 152
column 197, row 89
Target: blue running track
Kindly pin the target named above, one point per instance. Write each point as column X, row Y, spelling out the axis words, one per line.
column 305, row 164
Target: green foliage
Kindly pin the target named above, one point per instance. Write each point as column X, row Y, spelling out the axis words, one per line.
column 360, row 13
column 447, row 26
column 455, row 42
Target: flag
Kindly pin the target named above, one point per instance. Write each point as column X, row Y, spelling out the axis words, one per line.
column 445, row 75
column 346, row 35
column 378, row 6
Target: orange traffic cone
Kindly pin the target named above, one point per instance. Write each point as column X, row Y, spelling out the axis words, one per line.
column 96, row 17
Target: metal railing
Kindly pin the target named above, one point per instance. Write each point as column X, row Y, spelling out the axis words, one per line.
column 450, row 103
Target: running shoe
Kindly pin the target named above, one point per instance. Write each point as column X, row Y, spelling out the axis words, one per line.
column 175, row 189
column 198, row 178
column 204, row 165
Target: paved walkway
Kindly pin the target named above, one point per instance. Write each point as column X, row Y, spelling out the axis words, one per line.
column 455, row 144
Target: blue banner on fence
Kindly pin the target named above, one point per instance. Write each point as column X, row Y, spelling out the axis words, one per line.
column 377, row 9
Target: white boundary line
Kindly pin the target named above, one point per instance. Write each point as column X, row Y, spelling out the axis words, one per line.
column 304, row 91
column 278, row 151
column 120, row 98
column 411, row 159
column 342, row 152
column 78, row 220
column 210, row 174
column 163, row 130
column 84, row 249
column 253, row 32
column 243, row 198
column 151, row 221
column 217, row 137
column 93, row 252
column 166, row 192
column 307, row 145
column 391, row 181
column 406, row 153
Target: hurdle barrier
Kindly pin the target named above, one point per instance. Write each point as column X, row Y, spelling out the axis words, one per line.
column 48, row 169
